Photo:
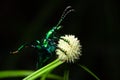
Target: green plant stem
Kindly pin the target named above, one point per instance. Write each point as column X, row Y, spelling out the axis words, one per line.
column 44, row 69
column 23, row 73
column 66, row 75
column 51, row 76
column 14, row 73
column 89, row 71
column 45, row 75
column 56, row 77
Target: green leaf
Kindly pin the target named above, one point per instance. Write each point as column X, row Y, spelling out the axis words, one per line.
column 14, row 73
column 23, row 73
column 89, row 71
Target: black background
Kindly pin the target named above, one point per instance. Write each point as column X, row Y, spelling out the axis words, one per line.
column 94, row 22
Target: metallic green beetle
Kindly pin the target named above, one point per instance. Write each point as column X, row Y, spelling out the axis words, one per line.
column 47, row 46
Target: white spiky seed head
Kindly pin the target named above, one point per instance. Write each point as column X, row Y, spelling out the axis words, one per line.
column 69, row 48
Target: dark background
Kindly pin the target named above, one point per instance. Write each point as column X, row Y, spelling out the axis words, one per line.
column 94, row 22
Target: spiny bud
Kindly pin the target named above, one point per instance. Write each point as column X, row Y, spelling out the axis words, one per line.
column 69, row 48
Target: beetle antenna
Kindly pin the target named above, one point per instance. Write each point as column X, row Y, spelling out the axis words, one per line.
column 19, row 49
column 67, row 10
